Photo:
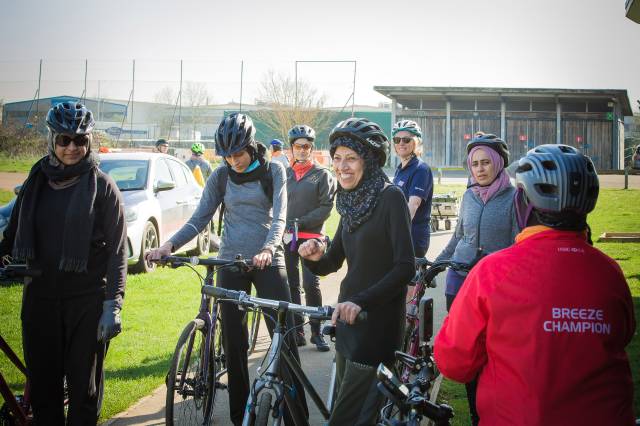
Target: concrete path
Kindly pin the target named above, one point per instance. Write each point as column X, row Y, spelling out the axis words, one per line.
column 317, row 365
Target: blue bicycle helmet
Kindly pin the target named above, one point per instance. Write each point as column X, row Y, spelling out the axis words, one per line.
column 277, row 143
column 70, row 118
column 302, row 131
column 235, row 133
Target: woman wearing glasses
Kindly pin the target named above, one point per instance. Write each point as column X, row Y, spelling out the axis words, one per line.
column 310, row 193
column 414, row 177
column 68, row 222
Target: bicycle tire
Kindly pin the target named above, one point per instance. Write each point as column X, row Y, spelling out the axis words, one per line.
column 253, row 327
column 264, row 409
column 193, row 404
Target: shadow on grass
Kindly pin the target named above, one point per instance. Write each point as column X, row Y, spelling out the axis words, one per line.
column 149, row 367
column 10, row 284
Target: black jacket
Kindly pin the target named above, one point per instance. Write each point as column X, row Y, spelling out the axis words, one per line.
column 107, row 260
column 310, row 199
column 379, row 255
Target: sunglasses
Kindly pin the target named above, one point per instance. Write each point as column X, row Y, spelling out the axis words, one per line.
column 403, row 140
column 79, row 141
column 302, row 147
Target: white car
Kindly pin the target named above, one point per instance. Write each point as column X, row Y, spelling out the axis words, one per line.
column 160, row 194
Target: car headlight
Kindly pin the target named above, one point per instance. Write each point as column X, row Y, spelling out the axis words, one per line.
column 130, row 214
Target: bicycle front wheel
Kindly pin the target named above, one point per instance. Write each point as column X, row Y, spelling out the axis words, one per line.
column 190, row 386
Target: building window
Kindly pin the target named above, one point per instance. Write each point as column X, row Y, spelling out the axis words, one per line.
column 568, row 106
column 488, row 105
column 544, row 106
column 463, row 105
column 517, row 105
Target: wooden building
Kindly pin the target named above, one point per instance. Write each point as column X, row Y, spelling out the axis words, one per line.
column 591, row 120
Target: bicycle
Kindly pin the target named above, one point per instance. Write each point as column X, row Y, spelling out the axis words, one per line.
column 426, row 274
column 16, row 409
column 198, row 362
column 272, row 388
column 417, row 399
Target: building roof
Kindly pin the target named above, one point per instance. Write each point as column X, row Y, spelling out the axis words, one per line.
column 396, row 92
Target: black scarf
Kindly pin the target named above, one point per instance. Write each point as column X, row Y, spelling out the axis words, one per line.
column 80, row 216
column 255, row 174
column 357, row 206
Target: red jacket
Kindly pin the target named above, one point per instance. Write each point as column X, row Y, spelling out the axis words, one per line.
column 544, row 323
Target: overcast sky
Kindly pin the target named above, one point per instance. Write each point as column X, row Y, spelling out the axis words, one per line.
column 497, row 43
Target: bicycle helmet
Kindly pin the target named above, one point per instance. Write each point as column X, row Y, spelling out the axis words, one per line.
column 276, row 143
column 364, row 131
column 70, row 118
column 197, row 148
column 301, row 131
column 493, row 142
column 161, row 142
column 407, row 126
column 235, row 133
column 558, row 181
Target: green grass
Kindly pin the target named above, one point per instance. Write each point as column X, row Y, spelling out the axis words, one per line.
column 617, row 210
column 158, row 305
column 16, row 165
column 6, row 196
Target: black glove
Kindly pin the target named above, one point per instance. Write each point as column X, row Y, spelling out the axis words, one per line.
column 109, row 325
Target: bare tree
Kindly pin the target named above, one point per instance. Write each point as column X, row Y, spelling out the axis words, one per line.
column 166, row 95
column 164, row 113
column 195, row 95
column 288, row 105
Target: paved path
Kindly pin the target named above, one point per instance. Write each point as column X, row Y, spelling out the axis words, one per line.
column 150, row 410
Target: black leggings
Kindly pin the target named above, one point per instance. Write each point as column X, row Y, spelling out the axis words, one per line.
column 311, row 285
column 60, row 340
column 270, row 283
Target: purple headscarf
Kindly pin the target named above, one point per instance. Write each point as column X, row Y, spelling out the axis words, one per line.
column 501, row 181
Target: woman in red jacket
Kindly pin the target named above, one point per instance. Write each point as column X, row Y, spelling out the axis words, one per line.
column 546, row 321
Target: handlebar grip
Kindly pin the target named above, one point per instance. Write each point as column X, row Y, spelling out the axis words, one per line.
column 220, row 293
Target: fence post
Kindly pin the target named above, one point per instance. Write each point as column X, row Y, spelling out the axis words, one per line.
column 626, row 178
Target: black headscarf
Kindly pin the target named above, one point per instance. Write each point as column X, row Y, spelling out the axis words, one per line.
column 357, row 205
column 78, row 225
column 257, row 154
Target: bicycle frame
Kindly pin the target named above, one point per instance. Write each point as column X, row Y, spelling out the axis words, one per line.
column 17, row 408
column 272, row 379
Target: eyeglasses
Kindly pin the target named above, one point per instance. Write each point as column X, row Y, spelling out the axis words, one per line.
column 79, row 141
column 302, row 147
column 403, row 140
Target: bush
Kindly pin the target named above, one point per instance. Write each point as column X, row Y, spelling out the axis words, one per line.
column 17, row 142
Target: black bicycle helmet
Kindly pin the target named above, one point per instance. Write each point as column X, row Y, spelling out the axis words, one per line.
column 408, row 126
column 363, row 131
column 302, row 131
column 161, row 142
column 493, row 142
column 558, row 179
column 235, row 133
column 70, row 118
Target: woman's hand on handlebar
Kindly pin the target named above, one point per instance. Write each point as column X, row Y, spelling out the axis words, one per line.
column 262, row 259
column 157, row 254
column 346, row 311
column 312, row 249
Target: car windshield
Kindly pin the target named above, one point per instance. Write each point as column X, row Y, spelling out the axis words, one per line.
column 129, row 175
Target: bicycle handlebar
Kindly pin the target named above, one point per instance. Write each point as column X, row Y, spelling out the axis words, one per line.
column 177, row 261
column 429, row 270
column 13, row 271
column 242, row 298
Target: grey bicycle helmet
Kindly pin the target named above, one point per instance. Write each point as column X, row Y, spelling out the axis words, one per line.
column 235, row 133
column 364, row 131
column 70, row 118
column 558, row 180
column 302, row 131
column 493, row 142
column 408, row 126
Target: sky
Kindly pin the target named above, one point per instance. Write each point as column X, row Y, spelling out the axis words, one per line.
column 495, row 43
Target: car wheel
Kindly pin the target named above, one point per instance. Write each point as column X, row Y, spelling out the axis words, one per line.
column 149, row 242
column 202, row 246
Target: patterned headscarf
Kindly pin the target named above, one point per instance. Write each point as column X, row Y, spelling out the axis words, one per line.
column 356, row 206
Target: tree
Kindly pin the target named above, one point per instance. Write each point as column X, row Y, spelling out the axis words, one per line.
column 288, row 105
column 195, row 95
column 164, row 113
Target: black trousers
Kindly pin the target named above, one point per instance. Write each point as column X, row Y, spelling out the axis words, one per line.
column 270, row 283
column 310, row 282
column 60, row 340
